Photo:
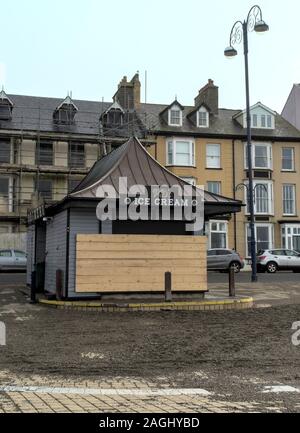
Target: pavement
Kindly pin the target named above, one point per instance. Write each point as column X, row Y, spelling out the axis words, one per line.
column 176, row 361
column 270, row 289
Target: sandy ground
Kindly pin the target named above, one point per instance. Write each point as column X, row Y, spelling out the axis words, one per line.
column 234, row 356
column 232, row 353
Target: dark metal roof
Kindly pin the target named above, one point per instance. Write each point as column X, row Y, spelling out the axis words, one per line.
column 131, row 160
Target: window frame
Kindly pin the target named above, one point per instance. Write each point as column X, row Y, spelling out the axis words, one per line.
column 8, row 143
column 270, row 203
column 292, row 159
column 288, row 232
column 174, row 162
column 5, row 178
column 70, row 156
column 267, row 123
column 203, row 110
column 210, row 231
column 177, row 109
column 254, row 117
column 5, row 111
column 38, row 153
column 50, row 197
column 210, row 156
column 269, row 155
column 7, row 205
column 270, row 227
column 284, row 200
column 215, row 182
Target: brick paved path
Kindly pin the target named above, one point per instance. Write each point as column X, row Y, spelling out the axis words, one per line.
column 118, row 395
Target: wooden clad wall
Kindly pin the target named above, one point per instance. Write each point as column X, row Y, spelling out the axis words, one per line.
column 137, row 263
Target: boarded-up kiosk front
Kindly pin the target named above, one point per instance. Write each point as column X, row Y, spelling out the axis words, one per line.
column 137, row 263
column 121, row 255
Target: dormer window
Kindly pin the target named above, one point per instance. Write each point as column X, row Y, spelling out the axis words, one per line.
column 113, row 116
column 202, row 118
column 262, row 121
column 6, row 106
column 262, row 117
column 175, row 116
column 65, row 112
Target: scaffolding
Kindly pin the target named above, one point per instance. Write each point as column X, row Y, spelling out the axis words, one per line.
column 72, row 156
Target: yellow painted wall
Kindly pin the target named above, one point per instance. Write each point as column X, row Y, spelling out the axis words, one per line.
column 200, row 172
column 225, row 176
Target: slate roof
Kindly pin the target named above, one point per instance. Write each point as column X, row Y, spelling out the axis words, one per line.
column 132, row 160
column 221, row 124
column 32, row 113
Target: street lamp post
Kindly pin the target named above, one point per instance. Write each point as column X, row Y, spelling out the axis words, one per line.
column 238, row 33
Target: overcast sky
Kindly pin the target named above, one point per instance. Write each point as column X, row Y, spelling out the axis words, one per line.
column 51, row 46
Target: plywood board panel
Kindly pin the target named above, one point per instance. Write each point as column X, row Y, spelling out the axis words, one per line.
column 137, row 263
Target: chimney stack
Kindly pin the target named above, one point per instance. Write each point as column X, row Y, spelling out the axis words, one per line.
column 128, row 94
column 209, row 95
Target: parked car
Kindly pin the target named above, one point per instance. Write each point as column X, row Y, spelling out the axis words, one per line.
column 221, row 259
column 12, row 259
column 278, row 260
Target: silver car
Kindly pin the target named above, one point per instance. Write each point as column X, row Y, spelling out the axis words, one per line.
column 12, row 259
column 277, row 260
column 221, row 259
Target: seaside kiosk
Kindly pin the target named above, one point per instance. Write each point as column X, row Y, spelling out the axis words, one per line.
column 75, row 254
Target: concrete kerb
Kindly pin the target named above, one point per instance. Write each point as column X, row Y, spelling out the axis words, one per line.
column 236, row 303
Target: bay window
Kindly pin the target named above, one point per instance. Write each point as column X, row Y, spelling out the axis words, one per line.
column 181, row 152
column 261, row 156
column 290, row 236
column 264, row 235
column 263, row 198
